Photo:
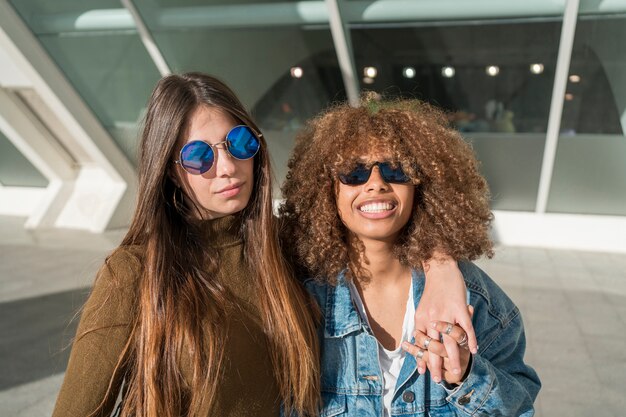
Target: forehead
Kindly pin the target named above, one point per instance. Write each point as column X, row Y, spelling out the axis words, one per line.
column 209, row 123
column 372, row 152
column 375, row 156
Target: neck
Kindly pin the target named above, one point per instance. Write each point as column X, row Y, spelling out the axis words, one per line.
column 223, row 231
column 376, row 264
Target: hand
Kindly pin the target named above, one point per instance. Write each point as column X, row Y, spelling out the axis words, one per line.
column 444, row 298
column 426, row 348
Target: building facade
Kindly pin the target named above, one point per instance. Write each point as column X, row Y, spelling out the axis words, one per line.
column 538, row 88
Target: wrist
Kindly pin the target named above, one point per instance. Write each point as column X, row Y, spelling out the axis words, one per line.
column 467, row 368
column 453, row 385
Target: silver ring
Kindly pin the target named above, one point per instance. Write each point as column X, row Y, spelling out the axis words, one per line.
column 427, row 342
column 419, row 354
column 448, row 329
column 463, row 341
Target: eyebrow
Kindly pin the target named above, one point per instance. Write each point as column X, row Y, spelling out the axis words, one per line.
column 199, row 139
column 205, row 140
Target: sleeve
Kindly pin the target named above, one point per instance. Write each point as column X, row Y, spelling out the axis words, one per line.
column 499, row 382
column 102, row 333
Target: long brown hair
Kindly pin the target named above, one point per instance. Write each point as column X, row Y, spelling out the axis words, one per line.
column 180, row 303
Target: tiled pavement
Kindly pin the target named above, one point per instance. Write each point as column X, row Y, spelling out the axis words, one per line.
column 573, row 305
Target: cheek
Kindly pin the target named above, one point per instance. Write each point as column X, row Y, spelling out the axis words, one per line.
column 246, row 173
column 407, row 196
column 199, row 187
column 345, row 197
column 247, row 168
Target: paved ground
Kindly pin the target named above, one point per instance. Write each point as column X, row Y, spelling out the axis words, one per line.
column 573, row 304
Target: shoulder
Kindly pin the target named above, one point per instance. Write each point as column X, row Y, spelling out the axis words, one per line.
column 124, row 257
column 317, row 289
column 113, row 298
column 121, row 269
column 486, row 295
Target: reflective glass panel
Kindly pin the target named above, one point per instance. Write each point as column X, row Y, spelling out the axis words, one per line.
column 590, row 167
column 15, row 169
column 97, row 47
column 493, row 76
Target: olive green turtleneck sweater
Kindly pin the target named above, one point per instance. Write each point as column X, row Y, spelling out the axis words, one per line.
column 247, row 387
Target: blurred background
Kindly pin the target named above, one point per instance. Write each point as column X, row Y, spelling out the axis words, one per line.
column 537, row 87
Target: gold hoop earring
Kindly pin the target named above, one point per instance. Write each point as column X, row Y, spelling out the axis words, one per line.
column 182, row 199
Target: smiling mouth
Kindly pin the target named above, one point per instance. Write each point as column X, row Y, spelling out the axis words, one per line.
column 377, row 207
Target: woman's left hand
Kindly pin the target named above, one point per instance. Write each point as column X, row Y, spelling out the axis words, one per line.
column 444, row 298
column 426, row 348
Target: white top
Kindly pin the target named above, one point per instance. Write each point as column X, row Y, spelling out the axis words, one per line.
column 390, row 360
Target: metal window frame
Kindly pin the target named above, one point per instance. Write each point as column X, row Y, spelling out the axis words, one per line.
column 146, row 39
column 343, row 48
column 566, row 44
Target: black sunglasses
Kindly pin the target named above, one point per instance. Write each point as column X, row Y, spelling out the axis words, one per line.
column 391, row 173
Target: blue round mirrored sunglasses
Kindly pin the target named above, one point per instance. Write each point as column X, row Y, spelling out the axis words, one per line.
column 391, row 173
column 197, row 156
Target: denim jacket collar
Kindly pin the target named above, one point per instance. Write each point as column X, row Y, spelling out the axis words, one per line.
column 342, row 316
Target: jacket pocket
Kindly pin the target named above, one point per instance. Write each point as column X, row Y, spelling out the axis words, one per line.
column 333, row 404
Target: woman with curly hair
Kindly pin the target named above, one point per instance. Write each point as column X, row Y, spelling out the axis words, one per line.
column 371, row 194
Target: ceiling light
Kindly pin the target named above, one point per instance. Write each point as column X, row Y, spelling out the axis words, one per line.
column 370, row 72
column 448, row 71
column 574, row 78
column 296, row 72
column 536, row 68
column 492, row 70
column 408, row 72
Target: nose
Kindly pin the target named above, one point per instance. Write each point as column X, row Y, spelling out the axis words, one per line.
column 376, row 181
column 224, row 162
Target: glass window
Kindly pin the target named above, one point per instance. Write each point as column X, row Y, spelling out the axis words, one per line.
column 96, row 46
column 15, row 169
column 590, row 167
column 494, row 78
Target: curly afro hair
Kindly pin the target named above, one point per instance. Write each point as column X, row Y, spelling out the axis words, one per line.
column 451, row 209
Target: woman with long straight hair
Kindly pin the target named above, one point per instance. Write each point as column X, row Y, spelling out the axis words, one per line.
column 196, row 312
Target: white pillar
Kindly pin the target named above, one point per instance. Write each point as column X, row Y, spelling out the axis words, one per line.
column 343, row 46
column 566, row 44
column 92, row 185
column 34, row 141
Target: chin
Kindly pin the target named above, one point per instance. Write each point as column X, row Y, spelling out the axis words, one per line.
column 378, row 235
column 233, row 208
column 381, row 231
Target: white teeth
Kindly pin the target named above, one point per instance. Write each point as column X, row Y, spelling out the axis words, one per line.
column 376, row 207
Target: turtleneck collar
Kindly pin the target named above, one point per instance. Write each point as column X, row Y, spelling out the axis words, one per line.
column 224, row 231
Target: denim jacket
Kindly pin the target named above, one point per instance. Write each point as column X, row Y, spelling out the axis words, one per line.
column 499, row 383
